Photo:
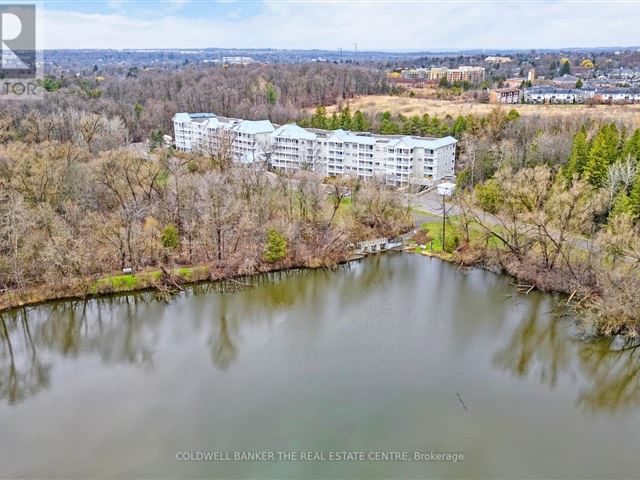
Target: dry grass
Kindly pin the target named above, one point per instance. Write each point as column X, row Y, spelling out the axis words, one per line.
column 418, row 106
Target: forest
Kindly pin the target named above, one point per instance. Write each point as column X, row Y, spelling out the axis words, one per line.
column 147, row 99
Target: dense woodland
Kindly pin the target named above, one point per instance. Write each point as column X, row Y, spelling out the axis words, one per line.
column 68, row 215
column 147, row 101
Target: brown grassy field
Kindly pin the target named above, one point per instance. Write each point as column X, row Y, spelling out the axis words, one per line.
column 418, row 106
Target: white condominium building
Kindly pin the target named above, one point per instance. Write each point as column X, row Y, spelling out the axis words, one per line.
column 243, row 140
column 399, row 160
column 295, row 148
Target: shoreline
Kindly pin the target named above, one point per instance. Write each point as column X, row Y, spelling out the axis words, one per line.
column 144, row 281
column 180, row 277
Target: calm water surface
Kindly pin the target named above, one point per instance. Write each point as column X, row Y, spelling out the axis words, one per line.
column 378, row 356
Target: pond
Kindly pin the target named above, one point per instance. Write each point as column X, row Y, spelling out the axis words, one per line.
column 317, row 374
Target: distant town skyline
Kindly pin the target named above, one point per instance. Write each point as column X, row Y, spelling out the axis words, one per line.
column 406, row 25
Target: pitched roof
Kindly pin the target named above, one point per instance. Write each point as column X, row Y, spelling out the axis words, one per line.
column 429, row 143
column 291, row 130
column 254, row 126
column 350, row 137
column 190, row 117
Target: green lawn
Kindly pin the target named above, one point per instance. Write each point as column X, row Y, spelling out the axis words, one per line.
column 142, row 280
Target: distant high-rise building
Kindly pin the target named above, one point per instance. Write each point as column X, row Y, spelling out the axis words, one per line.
column 466, row 74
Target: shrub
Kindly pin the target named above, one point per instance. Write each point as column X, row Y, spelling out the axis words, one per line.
column 170, row 237
column 489, row 196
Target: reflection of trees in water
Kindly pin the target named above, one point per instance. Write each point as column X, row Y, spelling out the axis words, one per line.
column 536, row 344
column 112, row 328
column 22, row 374
column 116, row 329
column 223, row 351
column 614, row 378
column 288, row 288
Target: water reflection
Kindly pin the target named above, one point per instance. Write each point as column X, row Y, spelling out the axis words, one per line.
column 22, row 373
column 614, row 378
column 536, row 343
column 223, row 350
column 527, row 339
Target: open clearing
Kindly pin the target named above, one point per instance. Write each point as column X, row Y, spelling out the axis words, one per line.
column 418, row 106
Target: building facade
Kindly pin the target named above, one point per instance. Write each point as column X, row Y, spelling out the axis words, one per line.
column 583, row 95
column 466, row 74
column 460, row 74
column 399, row 160
column 505, row 95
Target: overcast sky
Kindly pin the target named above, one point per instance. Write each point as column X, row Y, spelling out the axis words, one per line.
column 373, row 24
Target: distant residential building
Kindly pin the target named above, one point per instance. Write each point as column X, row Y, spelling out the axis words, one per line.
column 237, row 60
column 582, row 72
column 557, row 95
column 504, row 95
column 624, row 73
column 415, row 73
column 460, row 74
column 437, row 73
column 513, row 82
column 399, row 160
column 617, row 96
column 566, row 81
column 497, row 59
column 466, row 74
column 583, row 95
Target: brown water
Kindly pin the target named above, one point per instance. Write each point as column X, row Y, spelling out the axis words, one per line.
column 395, row 353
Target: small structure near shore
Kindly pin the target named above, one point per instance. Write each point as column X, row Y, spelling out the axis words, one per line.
column 377, row 245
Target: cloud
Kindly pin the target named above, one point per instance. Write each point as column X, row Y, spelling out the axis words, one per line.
column 373, row 25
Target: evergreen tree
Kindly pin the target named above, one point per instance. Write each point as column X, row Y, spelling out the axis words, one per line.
column 595, row 170
column 413, row 126
column 634, row 196
column 622, row 205
column 319, row 118
column 459, row 126
column 579, row 155
column 359, row 122
column 138, row 109
column 155, row 138
column 334, row 121
column 389, row 127
column 602, row 153
column 632, row 146
column 565, row 69
column 614, row 141
column 271, row 94
column 345, row 118
column 276, row 247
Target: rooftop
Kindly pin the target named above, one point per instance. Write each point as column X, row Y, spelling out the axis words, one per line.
column 291, row 130
column 254, row 126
